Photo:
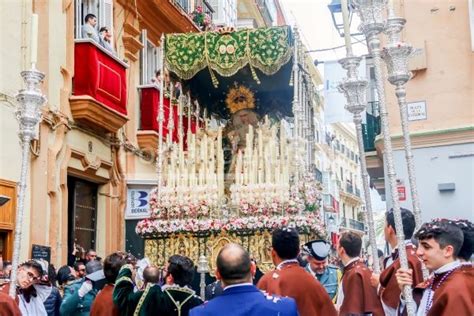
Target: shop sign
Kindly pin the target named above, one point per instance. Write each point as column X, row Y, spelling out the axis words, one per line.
column 138, row 206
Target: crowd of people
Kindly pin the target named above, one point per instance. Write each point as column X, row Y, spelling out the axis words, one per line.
column 302, row 282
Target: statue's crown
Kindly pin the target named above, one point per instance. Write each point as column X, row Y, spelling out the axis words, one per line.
column 239, row 98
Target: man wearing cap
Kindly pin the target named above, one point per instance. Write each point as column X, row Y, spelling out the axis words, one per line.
column 328, row 275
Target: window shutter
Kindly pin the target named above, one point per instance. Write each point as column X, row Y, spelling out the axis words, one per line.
column 143, row 58
column 78, row 18
column 106, row 11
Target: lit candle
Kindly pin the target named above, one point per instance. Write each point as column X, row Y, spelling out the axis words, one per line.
column 347, row 31
column 34, row 40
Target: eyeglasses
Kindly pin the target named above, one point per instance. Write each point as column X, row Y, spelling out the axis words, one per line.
column 32, row 277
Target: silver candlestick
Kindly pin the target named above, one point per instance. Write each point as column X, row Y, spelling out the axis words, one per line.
column 28, row 115
column 161, row 119
column 372, row 24
column 355, row 91
column 396, row 55
column 202, row 269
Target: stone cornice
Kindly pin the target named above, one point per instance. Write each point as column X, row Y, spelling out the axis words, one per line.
column 453, row 136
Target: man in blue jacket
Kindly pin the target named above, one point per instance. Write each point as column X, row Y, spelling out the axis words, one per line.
column 240, row 296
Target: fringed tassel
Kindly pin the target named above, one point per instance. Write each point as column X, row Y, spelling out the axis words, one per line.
column 254, row 74
column 291, row 79
column 214, row 80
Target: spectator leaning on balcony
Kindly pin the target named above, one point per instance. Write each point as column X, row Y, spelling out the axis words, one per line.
column 105, row 36
column 88, row 29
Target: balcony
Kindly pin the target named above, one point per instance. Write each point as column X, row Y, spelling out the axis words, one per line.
column 147, row 136
column 99, row 99
column 372, row 128
column 330, row 203
column 206, row 6
column 352, row 224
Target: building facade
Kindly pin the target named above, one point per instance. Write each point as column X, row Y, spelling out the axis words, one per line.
column 93, row 143
column 440, row 99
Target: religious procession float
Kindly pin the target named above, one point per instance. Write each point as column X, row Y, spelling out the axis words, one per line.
column 235, row 153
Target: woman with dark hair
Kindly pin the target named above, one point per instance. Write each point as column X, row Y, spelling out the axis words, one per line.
column 66, row 275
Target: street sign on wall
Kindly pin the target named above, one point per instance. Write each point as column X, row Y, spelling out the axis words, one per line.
column 416, row 111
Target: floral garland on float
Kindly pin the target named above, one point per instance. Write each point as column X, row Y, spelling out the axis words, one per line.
column 152, row 228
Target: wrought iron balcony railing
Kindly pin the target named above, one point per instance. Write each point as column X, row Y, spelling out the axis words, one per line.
column 352, row 224
column 372, row 127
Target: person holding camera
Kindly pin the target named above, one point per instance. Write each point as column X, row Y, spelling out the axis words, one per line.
column 79, row 295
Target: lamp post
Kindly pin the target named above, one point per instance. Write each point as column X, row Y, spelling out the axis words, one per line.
column 28, row 115
column 396, row 55
column 202, row 269
column 372, row 24
column 30, row 99
column 355, row 91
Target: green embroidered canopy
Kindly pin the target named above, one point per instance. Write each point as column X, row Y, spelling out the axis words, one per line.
column 266, row 49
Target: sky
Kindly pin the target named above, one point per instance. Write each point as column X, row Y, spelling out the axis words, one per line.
column 313, row 18
column 314, row 21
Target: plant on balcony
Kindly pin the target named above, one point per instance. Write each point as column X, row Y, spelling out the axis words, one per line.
column 202, row 19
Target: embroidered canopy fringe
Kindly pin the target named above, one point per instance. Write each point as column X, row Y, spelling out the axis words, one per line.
column 266, row 49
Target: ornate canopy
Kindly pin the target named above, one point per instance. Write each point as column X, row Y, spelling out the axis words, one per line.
column 266, row 49
column 210, row 63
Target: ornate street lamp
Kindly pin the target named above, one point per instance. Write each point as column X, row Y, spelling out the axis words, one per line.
column 202, row 269
column 335, row 8
column 355, row 91
column 28, row 115
column 372, row 24
column 396, row 55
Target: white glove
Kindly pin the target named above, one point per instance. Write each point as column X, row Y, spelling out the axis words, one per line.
column 85, row 288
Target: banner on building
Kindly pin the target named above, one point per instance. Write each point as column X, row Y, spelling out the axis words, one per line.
column 334, row 111
column 138, row 206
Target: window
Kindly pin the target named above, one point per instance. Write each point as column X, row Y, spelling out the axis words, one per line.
column 102, row 9
column 149, row 60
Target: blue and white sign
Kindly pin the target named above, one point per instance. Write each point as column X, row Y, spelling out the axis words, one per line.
column 138, row 206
